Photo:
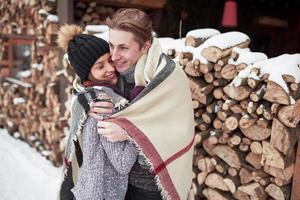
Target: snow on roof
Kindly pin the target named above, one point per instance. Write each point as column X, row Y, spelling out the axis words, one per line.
column 248, row 58
column 97, row 28
column 104, row 35
column 203, row 33
column 53, row 18
column 225, row 40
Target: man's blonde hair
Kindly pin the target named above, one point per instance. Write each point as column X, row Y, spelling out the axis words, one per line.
column 134, row 21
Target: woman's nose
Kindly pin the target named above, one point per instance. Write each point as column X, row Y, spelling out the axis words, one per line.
column 110, row 67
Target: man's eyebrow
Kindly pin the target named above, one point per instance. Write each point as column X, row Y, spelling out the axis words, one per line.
column 120, row 45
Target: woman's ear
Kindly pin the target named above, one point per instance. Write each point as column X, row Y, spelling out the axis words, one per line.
column 146, row 46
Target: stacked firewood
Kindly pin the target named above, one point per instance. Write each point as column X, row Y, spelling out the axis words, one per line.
column 30, row 105
column 31, row 109
column 32, row 17
column 245, row 120
column 87, row 13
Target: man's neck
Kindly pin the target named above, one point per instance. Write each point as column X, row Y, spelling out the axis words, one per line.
column 128, row 75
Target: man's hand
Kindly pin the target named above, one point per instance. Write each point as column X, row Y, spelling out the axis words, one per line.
column 112, row 131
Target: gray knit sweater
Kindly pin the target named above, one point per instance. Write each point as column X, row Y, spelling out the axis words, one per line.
column 105, row 167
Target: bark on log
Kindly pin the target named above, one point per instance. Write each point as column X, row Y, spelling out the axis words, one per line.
column 237, row 93
column 256, row 132
column 263, row 123
column 273, row 157
column 229, row 72
column 215, row 181
column 255, row 191
column 228, row 155
column 288, row 78
column 254, row 160
column 256, row 147
column 241, row 195
column 212, row 194
column 275, row 94
column 209, row 77
column 194, row 41
column 227, row 104
column 205, row 68
column 258, row 94
column 231, row 184
column 232, row 123
column 213, row 54
column 245, row 175
column 283, row 174
column 192, row 70
column 201, row 177
column 205, row 164
column 277, row 193
column 246, row 122
column 283, row 138
column 287, row 116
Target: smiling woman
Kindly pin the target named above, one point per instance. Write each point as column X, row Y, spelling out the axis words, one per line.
column 103, row 165
column 103, row 70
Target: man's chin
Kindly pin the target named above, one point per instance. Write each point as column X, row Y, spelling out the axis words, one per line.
column 122, row 68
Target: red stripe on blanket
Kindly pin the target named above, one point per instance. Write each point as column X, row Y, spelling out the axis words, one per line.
column 175, row 156
column 151, row 152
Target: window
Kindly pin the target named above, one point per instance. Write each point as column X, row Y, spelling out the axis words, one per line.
column 16, row 54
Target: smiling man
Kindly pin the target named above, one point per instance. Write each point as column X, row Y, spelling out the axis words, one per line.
column 159, row 119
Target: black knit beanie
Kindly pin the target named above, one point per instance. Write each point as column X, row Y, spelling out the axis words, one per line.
column 83, row 51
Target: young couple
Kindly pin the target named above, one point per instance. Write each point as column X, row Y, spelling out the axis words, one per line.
column 136, row 143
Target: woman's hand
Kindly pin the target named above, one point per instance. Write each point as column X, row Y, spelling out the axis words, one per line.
column 100, row 107
column 112, row 131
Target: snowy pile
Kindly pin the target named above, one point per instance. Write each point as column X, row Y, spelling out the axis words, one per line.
column 25, row 175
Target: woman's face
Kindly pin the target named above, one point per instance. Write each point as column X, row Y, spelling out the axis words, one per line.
column 104, row 70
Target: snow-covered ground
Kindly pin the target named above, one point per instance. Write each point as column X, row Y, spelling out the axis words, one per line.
column 24, row 173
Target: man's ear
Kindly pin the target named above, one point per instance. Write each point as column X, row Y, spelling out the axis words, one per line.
column 146, row 46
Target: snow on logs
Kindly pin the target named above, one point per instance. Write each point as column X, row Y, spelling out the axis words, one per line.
column 247, row 110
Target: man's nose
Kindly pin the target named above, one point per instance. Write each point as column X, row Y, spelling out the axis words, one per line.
column 114, row 54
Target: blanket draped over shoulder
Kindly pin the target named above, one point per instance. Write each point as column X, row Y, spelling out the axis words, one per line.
column 160, row 122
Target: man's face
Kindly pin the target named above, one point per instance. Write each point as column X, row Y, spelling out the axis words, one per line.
column 124, row 50
column 104, row 70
